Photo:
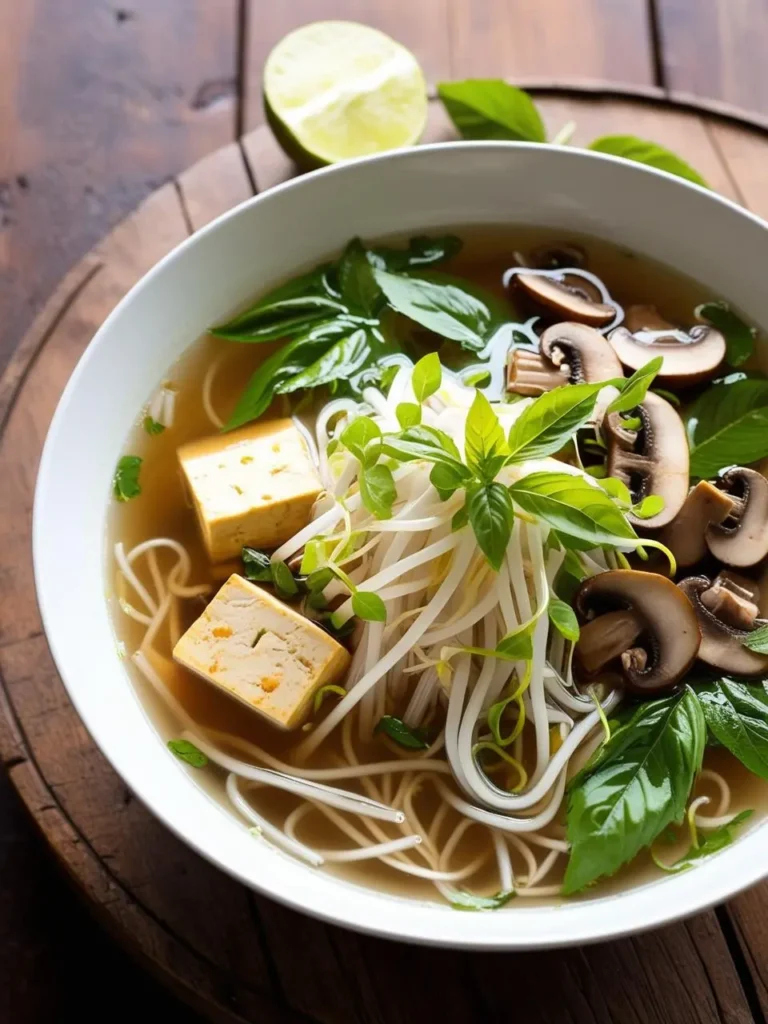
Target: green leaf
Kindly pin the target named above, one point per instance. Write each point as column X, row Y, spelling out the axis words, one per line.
column 550, row 421
column 326, row 691
column 459, row 519
column 359, row 290
column 344, row 358
column 643, row 152
column 427, row 376
column 377, row 490
column 728, row 425
column 635, row 389
column 446, row 480
column 737, row 716
column 491, row 516
column 447, row 309
column 489, row 108
column 739, row 337
column 408, row 414
column 152, row 426
column 125, row 482
column 563, row 618
column 649, row 507
column 425, row 443
column 757, row 640
column 636, row 785
column 422, row 251
column 369, row 606
column 257, row 565
column 186, row 751
column 462, row 900
column 573, row 507
column 358, row 434
column 402, row 734
column 283, row 365
column 517, row 646
column 485, row 448
column 616, row 488
column 282, row 319
column 713, row 842
column 282, row 577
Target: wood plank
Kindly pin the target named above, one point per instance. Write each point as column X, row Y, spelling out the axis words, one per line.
column 744, row 153
column 421, row 26
column 556, row 39
column 99, row 103
column 716, row 48
column 215, row 184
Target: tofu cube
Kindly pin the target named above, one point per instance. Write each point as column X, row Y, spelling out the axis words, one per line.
column 253, row 486
column 261, row 652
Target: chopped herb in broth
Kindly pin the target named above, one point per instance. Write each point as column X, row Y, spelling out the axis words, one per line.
column 467, row 597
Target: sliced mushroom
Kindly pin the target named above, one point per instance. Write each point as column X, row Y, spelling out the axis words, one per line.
column 669, row 639
column 572, row 295
column 686, row 534
column 717, row 606
column 651, row 460
column 606, row 638
column 689, row 356
column 570, row 353
column 742, row 539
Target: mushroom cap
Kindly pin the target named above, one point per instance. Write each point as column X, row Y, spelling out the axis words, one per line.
column 746, row 542
column 721, row 644
column 571, row 294
column 670, row 626
column 686, row 534
column 587, row 352
column 687, row 358
column 662, row 465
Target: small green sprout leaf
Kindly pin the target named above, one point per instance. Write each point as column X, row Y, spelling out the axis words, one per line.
column 369, row 606
column 152, row 426
column 408, row 414
column 377, row 490
column 634, row 390
column 402, row 734
column 427, row 376
column 461, row 900
column 563, row 618
column 283, row 579
column 186, row 751
column 326, row 691
column 257, row 565
column 125, row 483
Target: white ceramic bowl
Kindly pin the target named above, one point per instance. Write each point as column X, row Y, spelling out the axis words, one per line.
column 251, row 248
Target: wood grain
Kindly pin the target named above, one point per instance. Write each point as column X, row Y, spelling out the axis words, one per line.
column 236, row 956
column 716, row 48
column 99, row 104
column 608, row 39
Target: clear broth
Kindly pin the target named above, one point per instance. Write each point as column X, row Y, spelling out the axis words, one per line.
column 163, row 510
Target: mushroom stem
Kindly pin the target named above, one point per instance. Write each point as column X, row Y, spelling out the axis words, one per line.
column 529, row 374
column 606, row 638
column 742, row 539
column 706, row 505
column 722, row 644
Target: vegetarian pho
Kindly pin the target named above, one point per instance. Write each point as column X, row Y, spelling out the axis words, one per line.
column 462, row 587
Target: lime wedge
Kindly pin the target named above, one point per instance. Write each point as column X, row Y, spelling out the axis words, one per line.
column 334, row 90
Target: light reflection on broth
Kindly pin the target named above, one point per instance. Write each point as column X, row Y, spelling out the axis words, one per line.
column 163, row 510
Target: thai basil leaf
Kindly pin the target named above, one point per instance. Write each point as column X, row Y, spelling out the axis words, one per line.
column 377, row 490
column 549, row 422
column 737, row 716
column 459, row 519
column 573, row 507
column 358, row 434
column 485, row 447
column 713, row 842
column 739, row 337
column 369, row 606
column 491, row 515
column 426, row 443
column 408, row 414
column 445, row 308
column 343, row 359
column 257, row 565
column 516, row 646
column 402, row 734
column 636, row 785
column 757, row 640
column 427, row 376
column 447, row 478
column 281, row 319
column 644, row 152
column 461, row 900
column 283, row 579
column 649, row 507
column 728, row 425
column 563, row 618
column 422, row 251
column 186, row 751
column 359, row 290
column 125, row 483
column 489, row 108
column 635, row 389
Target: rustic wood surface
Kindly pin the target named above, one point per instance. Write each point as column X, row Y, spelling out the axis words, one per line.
column 103, row 104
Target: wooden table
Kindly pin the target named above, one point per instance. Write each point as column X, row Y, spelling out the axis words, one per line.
column 101, row 103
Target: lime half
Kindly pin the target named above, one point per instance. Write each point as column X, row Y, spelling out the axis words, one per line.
column 334, row 90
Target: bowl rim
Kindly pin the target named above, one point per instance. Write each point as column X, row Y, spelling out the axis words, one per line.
column 688, row 898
